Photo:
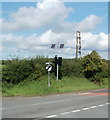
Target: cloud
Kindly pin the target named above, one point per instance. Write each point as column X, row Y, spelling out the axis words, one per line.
column 95, row 41
column 86, row 25
column 49, row 15
column 40, row 44
column 44, row 14
column 89, row 23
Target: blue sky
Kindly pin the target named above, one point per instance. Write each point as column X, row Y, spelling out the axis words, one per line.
column 81, row 10
column 46, row 23
column 84, row 9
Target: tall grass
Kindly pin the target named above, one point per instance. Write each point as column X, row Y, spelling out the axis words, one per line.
column 40, row 87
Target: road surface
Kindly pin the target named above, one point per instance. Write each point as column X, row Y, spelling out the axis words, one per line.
column 89, row 104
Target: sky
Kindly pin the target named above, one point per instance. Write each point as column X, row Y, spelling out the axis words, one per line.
column 29, row 28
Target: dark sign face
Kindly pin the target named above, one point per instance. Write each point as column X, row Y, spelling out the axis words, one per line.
column 61, row 45
column 53, row 46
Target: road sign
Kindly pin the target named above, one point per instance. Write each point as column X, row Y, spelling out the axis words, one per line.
column 48, row 67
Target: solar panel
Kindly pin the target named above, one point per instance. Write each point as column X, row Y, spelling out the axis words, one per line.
column 61, row 45
column 53, row 46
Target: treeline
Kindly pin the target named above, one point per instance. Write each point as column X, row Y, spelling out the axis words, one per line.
column 91, row 67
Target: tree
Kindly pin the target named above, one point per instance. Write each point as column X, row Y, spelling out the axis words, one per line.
column 92, row 66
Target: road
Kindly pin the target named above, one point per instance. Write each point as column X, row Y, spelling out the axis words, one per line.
column 88, row 104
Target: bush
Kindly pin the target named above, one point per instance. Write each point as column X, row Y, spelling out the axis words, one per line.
column 94, row 68
column 72, row 67
column 16, row 71
column 39, row 72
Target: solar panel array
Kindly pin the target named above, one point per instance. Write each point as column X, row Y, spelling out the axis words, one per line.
column 61, row 46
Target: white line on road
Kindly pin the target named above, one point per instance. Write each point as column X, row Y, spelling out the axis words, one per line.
column 101, row 105
column 84, row 93
column 46, row 103
column 53, row 102
column 75, row 111
column 85, row 108
column 107, row 103
column 50, row 116
column 93, row 106
column 65, row 113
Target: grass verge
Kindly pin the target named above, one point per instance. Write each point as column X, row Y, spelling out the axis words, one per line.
column 39, row 87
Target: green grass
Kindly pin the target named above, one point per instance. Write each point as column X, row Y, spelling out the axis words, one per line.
column 67, row 84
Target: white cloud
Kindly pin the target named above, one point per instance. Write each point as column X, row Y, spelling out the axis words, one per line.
column 10, row 39
column 95, row 41
column 50, row 15
column 44, row 14
column 89, row 23
column 40, row 44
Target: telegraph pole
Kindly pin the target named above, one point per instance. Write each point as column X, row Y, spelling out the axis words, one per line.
column 78, row 45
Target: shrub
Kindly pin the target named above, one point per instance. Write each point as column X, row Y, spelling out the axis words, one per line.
column 16, row 71
column 72, row 67
column 94, row 67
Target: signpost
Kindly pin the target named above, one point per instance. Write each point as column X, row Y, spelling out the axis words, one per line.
column 57, row 59
column 58, row 46
column 58, row 64
column 57, row 71
column 48, row 68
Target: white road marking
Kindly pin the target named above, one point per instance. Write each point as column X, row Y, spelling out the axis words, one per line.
column 93, row 106
column 48, row 102
column 84, row 93
column 101, row 105
column 85, row 108
column 53, row 102
column 75, row 111
column 107, row 103
column 65, row 113
column 50, row 116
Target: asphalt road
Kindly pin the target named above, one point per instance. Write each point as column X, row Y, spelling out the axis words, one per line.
column 89, row 104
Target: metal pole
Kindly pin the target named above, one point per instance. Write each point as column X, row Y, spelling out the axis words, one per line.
column 57, row 71
column 48, row 78
column 76, row 45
